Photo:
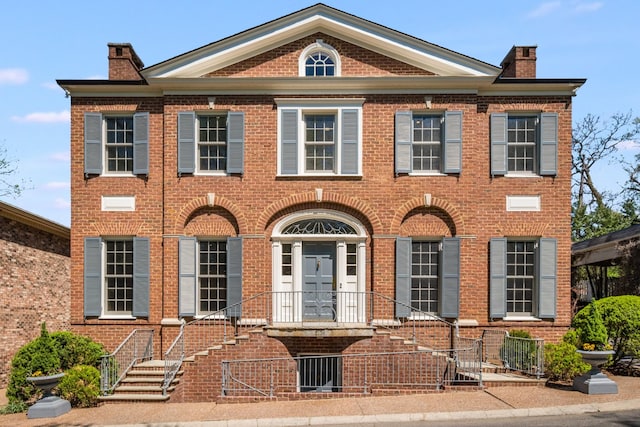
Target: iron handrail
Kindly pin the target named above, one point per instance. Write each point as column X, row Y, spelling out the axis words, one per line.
column 138, row 346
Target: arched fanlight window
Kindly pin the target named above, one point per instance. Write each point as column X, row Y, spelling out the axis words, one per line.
column 319, row 226
column 319, row 64
column 319, row 60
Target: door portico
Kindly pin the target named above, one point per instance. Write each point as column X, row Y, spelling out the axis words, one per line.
column 318, row 260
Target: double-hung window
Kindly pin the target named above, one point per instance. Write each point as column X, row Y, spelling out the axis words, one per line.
column 210, row 143
column 428, row 143
column 524, row 144
column 210, row 276
column 116, row 277
column 116, row 144
column 427, row 277
column 319, row 137
column 523, row 278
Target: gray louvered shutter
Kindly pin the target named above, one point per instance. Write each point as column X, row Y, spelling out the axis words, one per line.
column 549, row 144
column 498, row 144
column 349, row 142
column 235, row 143
column 186, row 142
column 547, row 256
column 453, row 142
column 187, row 250
column 141, row 143
column 450, row 278
column 234, row 276
column 403, row 277
column 92, row 143
column 92, row 276
column 141, row 267
column 289, row 142
column 404, row 139
column 498, row 278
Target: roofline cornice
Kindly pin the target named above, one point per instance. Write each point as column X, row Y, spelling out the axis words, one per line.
column 16, row 214
column 484, row 86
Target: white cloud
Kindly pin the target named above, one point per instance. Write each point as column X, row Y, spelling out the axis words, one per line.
column 61, row 203
column 544, row 9
column 588, row 7
column 629, row 145
column 61, row 156
column 51, row 117
column 13, row 76
column 55, row 185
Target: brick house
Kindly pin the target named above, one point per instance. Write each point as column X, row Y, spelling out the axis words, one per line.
column 35, row 269
column 293, row 174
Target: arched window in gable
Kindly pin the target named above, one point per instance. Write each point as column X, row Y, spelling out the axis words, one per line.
column 319, row 60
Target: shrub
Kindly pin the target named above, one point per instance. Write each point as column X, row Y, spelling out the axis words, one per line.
column 38, row 357
column 45, row 355
column 621, row 317
column 81, row 386
column 14, row 408
column 571, row 337
column 77, row 350
column 591, row 328
column 562, row 362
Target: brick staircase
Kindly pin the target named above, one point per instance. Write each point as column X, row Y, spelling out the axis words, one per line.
column 143, row 383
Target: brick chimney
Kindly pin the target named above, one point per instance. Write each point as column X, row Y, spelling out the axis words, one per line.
column 520, row 62
column 124, row 63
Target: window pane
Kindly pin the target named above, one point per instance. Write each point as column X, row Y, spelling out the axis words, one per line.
column 424, row 276
column 212, row 279
column 520, row 277
column 119, row 276
column 212, row 149
column 522, row 139
column 426, row 142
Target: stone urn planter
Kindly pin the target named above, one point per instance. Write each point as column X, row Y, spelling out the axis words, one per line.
column 595, row 381
column 49, row 406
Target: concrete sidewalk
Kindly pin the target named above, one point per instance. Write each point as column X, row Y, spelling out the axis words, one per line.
column 489, row 403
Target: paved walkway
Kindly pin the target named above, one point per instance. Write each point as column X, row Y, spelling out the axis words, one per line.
column 489, row 403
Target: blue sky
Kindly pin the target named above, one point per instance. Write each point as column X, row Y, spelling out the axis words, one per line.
column 594, row 39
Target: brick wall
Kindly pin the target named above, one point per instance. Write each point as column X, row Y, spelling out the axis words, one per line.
column 471, row 205
column 34, row 287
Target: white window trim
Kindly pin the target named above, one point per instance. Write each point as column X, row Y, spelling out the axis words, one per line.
column 441, row 114
column 319, row 46
column 105, row 160
column 526, row 174
column 319, row 106
column 196, row 170
column 103, row 292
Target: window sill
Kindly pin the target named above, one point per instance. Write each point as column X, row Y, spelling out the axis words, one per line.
column 210, row 174
column 423, row 316
column 427, row 174
column 522, row 175
column 318, row 176
column 116, row 317
column 118, row 175
column 521, row 319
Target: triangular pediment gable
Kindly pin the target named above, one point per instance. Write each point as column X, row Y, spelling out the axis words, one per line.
column 321, row 19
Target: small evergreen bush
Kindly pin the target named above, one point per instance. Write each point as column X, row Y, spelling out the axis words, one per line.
column 77, row 350
column 81, row 386
column 38, row 357
column 562, row 362
column 621, row 317
column 591, row 329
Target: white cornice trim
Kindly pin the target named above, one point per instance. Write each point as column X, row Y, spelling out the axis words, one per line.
column 354, row 30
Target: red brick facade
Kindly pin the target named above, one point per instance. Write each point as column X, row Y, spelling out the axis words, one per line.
column 470, row 205
column 34, row 280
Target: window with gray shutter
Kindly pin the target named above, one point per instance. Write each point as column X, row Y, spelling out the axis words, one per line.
column 450, row 278
column 549, row 144
column 498, row 278
column 547, row 282
column 141, row 276
column 187, row 250
column 235, row 150
column 92, row 276
column 186, row 142
column 349, row 142
column 289, row 142
column 234, row 276
column 453, row 142
column 92, row 144
column 498, row 144
column 403, row 141
column 141, row 143
column 403, row 277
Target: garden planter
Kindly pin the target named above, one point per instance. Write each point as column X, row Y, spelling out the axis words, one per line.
column 49, row 406
column 595, row 381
